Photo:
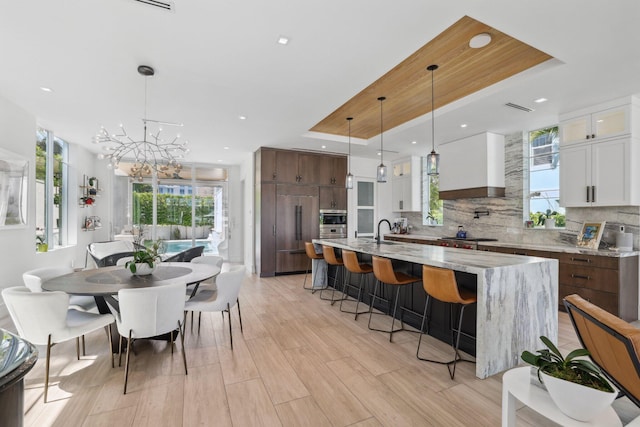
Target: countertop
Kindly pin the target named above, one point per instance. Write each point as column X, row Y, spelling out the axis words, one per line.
column 452, row 258
column 531, row 246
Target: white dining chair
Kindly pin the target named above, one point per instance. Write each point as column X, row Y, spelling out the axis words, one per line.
column 149, row 312
column 33, row 280
column 223, row 299
column 44, row 318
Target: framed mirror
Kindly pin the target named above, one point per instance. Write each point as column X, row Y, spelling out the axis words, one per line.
column 14, row 184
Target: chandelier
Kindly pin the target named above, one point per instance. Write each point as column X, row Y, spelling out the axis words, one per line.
column 156, row 155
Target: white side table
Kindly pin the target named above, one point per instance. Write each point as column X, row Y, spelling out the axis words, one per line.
column 516, row 385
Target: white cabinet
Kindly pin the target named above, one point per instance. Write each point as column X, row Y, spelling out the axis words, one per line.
column 600, row 174
column 606, row 121
column 472, row 167
column 405, row 185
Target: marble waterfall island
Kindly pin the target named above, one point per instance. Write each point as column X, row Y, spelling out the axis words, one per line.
column 517, row 295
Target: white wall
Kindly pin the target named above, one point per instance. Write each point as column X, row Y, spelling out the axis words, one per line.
column 247, row 178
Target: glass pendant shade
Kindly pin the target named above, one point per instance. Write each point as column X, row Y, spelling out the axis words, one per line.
column 349, row 182
column 433, row 163
column 381, row 176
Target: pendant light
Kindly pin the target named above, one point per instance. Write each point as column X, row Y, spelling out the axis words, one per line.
column 381, row 176
column 349, row 181
column 433, row 159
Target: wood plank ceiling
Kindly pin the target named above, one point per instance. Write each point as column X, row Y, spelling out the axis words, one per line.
column 407, row 87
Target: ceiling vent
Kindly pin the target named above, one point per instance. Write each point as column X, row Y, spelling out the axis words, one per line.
column 519, row 107
column 164, row 5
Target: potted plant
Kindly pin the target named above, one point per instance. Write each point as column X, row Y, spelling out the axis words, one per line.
column 575, row 384
column 547, row 219
column 144, row 260
column 41, row 245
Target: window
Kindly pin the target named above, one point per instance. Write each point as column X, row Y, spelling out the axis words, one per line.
column 544, row 178
column 432, row 208
column 51, row 189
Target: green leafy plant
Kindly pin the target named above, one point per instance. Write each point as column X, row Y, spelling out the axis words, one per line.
column 148, row 255
column 571, row 368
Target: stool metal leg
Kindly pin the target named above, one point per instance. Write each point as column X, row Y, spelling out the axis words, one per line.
column 339, row 271
column 345, row 295
column 455, row 342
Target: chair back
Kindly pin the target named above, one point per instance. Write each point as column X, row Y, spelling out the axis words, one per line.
column 441, row 284
column 187, row 255
column 351, row 263
column 106, row 254
column 229, row 284
column 209, row 259
column 311, row 251
column 613, row 343
column 150, row 311
column 36, row 314
column 329, row 254
column 33, row 278
column 383, row 270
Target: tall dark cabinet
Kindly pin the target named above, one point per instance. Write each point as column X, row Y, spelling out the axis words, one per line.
column 291, row 187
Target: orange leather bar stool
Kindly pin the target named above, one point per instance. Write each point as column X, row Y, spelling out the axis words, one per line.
column 331, row 259
column 440, row 283
column 352, row 265
column 384, row 273
column 311, row 253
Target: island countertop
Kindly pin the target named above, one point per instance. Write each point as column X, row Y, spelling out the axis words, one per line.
column 517, row 295
column 469, row 261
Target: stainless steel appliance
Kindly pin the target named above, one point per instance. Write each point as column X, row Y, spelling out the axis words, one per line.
column 333, row 224
column 466, row 243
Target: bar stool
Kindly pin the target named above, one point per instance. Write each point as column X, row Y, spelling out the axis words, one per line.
column 440, row 283
column 311, row 253
column 330, row 258
column 352, row 265
column 384, row 273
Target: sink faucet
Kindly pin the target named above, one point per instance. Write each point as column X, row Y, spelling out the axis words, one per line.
column 378, row 238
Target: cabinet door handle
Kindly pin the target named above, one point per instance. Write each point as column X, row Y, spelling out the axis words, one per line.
column 588, row 136
column 588, row 194
column 274, row 176
column 593, row 193
column 401, row 204
column 581, row 259
column 593, row 135
column 274, row 229
column 578, row 276
column 520, row 253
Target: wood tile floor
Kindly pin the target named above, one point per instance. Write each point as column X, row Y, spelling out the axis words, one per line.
column 300, row 362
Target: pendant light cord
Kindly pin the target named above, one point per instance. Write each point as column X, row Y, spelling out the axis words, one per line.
column 433, row 123
column 349, row 120
column 382, row 98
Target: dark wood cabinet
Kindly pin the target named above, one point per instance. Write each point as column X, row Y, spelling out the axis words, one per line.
column 609, row 282
column 333, row 171
column 333, row 198
column 288, row 198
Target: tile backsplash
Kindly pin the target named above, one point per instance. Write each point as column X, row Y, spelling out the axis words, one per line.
column 505, row 221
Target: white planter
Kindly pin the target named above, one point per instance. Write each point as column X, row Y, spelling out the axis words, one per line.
column 143, row 269
column 577, row 401
column 550, row 223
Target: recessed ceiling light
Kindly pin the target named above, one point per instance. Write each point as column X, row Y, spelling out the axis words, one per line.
column 464, row 125
column 46, row 89
column 226, row 148
column 324, row 146
column 219, row 160
column 540, row 100
column 414, row 142
column 283, row 40
column 480, row 40
column 242, row 117
column 378, row 153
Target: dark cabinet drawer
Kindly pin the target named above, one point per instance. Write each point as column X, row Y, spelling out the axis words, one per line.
column 589, row 260
column 601, row 279
column 605, row 300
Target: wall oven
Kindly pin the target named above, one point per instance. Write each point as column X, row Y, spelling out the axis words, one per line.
column 333, row 224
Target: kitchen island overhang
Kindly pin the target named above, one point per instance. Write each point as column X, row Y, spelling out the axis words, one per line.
column 517, row 295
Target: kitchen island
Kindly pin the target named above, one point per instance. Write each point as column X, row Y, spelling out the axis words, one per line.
column 517, row 295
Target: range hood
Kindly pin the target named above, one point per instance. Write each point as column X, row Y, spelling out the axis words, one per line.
column 472, row 167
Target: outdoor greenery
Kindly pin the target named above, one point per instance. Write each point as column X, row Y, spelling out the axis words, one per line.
column 435, row 204
column 172, row 209
column 539, row 218
column 569, row 368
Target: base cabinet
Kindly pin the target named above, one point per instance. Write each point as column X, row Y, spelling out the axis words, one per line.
column 608, row 282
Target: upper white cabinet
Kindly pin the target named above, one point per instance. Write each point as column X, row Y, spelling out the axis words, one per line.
column 472, row 167
column 600, row 174
column 606, row 121
column 405, row 185
column 600, row 156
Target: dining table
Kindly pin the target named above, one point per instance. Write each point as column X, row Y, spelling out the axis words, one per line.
column 104, row 283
